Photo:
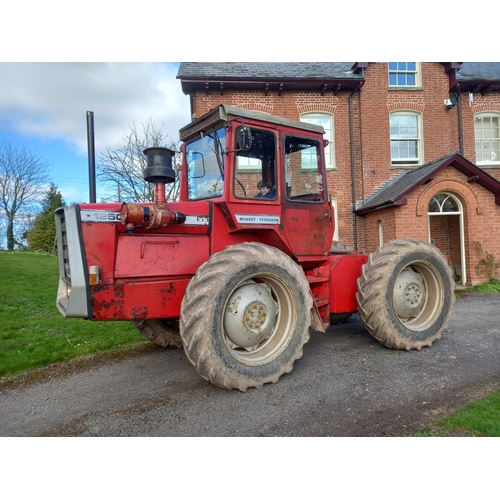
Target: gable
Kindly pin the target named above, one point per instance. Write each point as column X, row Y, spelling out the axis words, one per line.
column 396, row 190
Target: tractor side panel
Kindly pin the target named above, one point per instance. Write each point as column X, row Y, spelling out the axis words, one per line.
column 150, row 278
column 147, row 255
column 138, row 301
column 345, row 270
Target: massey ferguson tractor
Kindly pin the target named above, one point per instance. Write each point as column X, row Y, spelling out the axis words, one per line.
column 242, row 266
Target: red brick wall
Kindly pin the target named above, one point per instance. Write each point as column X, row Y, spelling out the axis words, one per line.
column 440, row 126
column 372, row 157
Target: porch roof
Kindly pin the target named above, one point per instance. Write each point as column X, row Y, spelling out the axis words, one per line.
column 396, row 190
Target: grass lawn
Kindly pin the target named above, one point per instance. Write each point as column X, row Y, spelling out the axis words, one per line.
column 481, row 418
column 33, row 333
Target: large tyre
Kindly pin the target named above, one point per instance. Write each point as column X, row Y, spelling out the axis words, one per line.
column 406, row 294
column 163, row 332
column 245, row 316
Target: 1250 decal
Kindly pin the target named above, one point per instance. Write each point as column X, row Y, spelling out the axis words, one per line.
column 100, row 216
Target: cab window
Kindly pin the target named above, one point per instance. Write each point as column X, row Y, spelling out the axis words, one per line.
column 205, row 165
column 303, row 169
column 255, row 168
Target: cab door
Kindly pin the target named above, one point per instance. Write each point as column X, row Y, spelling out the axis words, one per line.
column 307, row 216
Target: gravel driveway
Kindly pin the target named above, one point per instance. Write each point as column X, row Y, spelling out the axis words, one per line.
column 346, row 384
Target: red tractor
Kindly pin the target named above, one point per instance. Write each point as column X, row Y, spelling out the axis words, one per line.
column 242, row 266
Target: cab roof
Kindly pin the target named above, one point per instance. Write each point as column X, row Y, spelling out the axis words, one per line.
column 223, row 113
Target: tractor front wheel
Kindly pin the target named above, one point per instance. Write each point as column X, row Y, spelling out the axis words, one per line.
column 245, row 316
column 163, row 332
column 406, row 294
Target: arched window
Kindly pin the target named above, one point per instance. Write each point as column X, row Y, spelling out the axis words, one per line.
column 406, row 138
column 487, row 132
column 380, row 233
column 444, row 203
column 326, row 121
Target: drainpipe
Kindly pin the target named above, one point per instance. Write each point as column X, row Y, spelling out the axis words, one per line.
column 353, row 187
column 460, row 130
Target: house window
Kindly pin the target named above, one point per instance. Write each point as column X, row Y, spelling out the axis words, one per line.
column 404, row 74
column 326, row 121
column 380, row 233
column 487, row 130
column 406, row 138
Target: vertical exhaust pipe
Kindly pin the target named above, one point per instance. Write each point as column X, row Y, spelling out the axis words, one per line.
column 91, row 153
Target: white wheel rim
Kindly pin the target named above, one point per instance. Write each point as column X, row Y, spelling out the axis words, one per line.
column 418, row 296
column 259, row 318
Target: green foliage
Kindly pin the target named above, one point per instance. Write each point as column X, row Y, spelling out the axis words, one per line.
column 481, row 418
column 488, row 265
column 42, row 236
column 489, row 287
column 33, row 334
column 22, row 173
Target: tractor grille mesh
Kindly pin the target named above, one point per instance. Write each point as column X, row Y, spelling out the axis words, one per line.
column 63, row 250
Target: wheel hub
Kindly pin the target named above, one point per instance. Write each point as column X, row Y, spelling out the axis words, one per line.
column 409, row 294
column 249, row 315
column 255, row 316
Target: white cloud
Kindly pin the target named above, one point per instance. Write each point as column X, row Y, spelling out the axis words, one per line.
column 50, row 100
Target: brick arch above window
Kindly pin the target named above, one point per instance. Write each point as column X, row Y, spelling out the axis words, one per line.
column 408, row 106
column 486, row 108
column 256, row 106
column 316, row 108
column 463, row 193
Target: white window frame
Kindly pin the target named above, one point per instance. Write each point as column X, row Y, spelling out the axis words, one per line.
column 329, row 135
column 483, row 145
column 335, row 206
column 408, row 137
column 246, row 164
column 401, row 69
column 460, row 213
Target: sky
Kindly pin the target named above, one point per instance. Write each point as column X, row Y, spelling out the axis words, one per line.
column 43, row 106
column 58, row 67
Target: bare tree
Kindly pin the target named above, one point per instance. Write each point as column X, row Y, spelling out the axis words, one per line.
column 22, row 173
column 121, row 169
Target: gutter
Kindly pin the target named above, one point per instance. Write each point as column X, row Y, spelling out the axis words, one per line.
column 460, row 130
column 353, row 187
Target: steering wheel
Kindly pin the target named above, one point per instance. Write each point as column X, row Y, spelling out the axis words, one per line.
column 242, row 187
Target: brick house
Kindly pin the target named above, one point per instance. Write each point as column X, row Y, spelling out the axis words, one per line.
column 414, row 147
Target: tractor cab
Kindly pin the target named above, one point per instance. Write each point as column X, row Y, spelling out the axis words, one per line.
column 265, row 173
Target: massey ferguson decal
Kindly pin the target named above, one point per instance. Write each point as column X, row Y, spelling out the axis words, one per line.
column 257, row 219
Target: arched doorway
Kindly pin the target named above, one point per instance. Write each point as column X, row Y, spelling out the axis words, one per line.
column 446, row 231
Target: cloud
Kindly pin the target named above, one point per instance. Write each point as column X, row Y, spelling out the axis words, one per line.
column 51, row 100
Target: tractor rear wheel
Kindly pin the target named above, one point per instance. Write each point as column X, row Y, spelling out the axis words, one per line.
column 406, row 294
column 163, row 332
column 245, row 316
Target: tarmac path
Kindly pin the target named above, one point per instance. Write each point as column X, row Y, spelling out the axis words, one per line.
column 346, row 384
